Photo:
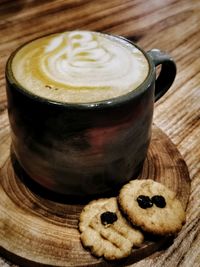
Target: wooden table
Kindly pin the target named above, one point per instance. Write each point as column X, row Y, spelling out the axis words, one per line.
column 170, row 25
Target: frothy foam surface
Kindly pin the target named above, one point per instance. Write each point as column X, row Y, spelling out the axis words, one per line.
column 79, row 67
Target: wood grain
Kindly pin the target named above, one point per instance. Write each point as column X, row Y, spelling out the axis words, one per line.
column 37, row 230
column 172, row 26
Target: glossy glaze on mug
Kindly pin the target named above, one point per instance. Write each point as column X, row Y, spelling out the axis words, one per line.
column 80, row 151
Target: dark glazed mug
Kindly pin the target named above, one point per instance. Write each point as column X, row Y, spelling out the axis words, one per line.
column 86, row 149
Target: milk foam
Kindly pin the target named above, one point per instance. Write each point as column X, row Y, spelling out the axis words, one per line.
column 79, row 66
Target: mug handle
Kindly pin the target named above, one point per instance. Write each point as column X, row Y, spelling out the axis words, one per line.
column 167, row 73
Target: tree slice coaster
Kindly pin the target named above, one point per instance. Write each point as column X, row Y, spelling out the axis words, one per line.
column 37, row 231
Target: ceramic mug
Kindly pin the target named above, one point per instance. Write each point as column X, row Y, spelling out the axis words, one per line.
column 86, row 149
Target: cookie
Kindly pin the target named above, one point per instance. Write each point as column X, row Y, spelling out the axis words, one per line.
column 89, row 211
column 106, row 232
column 152, row 207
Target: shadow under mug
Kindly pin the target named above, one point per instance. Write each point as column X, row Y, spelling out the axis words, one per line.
column 90, row 148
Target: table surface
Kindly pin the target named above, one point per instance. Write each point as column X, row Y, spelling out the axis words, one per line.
column 170, row 25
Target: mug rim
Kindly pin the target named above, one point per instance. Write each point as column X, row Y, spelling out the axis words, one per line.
column 115, row 101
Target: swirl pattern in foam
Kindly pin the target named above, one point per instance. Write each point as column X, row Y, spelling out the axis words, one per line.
column 79, row 67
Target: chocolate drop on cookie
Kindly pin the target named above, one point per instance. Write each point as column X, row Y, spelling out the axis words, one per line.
column 108, row 217
column 159, row 201
column 144, row 202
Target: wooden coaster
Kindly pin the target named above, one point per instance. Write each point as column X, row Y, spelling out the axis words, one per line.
column 36, row 231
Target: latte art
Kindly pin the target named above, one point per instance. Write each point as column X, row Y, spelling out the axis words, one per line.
column 79, row 67
column 78, row 59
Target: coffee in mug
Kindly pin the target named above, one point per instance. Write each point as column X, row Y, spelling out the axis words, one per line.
column 79, row 67
column 80, row 106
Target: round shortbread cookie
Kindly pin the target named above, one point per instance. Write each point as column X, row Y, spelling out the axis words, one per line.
column 152, row 207
column 105, row 232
